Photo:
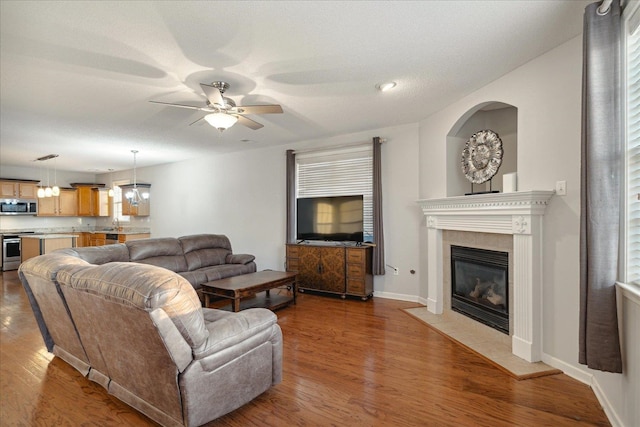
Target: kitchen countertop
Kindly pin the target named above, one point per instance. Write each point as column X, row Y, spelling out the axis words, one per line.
column 48, row 236
column 61, row 230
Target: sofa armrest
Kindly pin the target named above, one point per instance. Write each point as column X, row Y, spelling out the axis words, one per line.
column 243, row 330
column 239, row 258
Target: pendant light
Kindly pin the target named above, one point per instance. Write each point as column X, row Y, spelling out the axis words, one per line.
column 133, row 196
column 48, row 191
column 55, row 190
column 40, row 192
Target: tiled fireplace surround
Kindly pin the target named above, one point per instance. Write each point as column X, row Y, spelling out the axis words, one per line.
column 508, row 222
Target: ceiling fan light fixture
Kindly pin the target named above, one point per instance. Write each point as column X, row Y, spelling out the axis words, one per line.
column 383, row 87
column 221, row 121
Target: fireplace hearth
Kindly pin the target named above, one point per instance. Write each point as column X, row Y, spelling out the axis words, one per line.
column 479, row 285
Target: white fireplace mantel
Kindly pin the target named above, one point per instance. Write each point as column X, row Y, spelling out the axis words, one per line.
column 518, row 214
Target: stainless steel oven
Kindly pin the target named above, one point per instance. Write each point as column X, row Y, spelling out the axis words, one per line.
column 11, row 251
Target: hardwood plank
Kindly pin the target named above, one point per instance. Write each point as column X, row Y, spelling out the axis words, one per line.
column 346, row 362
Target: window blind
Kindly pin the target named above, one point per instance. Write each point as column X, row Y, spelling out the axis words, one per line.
column 340, row 172
column 633, row 147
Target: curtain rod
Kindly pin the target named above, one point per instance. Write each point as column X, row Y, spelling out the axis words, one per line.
column 604, row 7
column 333, row 147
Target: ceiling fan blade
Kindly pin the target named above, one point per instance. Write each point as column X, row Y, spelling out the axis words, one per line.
column 259, row 109
column 249, row 123
column 213, row 95
column 191, row 107
column 193, row 123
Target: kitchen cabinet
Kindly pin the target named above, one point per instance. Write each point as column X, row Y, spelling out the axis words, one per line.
column 100, row 239
column 32, row 246
column 18, row 189
column 332, row 269
column 66, row 204
column 122, row 238
column 97, row 239
column 93, row 200
column 82, row 240
column 143, row 208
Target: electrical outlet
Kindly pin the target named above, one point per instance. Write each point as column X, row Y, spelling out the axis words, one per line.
column 561, row 188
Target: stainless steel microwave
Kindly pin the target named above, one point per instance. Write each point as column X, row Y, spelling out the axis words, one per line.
column 18, row 207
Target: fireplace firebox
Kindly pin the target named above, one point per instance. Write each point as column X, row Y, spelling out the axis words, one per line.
column 480, row 285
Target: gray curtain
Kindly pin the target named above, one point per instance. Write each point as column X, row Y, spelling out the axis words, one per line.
column 600, row 189
column 378, row 234
column 291, row 196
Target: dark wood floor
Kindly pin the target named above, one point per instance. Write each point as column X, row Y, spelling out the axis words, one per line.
column 346, row 363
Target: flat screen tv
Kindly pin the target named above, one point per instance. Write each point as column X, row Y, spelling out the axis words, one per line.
column 338, row 218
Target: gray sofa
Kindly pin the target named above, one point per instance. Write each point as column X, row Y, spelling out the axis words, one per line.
column 140, row 330
column 199, row 258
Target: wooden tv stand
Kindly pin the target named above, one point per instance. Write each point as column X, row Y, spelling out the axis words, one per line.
column 342, row 270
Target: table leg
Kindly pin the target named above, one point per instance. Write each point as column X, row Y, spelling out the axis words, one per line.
column 236, row 305
column 293, row 289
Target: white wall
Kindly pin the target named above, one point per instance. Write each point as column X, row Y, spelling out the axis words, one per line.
column 242, row 195
column 547, row 93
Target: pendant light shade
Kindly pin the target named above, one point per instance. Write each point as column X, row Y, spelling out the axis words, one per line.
column 134, row 196
column 55, row 190
column 221, row 121
column 49, row 191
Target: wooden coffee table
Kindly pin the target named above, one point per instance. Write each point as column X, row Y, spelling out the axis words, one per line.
column 256, row 285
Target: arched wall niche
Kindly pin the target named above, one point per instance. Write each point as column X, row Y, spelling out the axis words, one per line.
column 494, row 115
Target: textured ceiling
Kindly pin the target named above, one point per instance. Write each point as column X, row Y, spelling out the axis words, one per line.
column 76, row 76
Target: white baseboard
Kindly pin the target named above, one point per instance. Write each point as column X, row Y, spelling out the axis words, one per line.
column 401, row 297
column 422, row 301
column 590, row 380
column 606, row 405
column 572, row 371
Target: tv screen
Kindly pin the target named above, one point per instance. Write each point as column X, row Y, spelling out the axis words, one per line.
column 337, row 218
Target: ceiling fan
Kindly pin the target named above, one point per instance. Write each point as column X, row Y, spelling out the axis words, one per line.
column 222, row 112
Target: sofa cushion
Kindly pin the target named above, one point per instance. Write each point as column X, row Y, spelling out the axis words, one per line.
column 217, row 272
column 196, row 278
column 145, row 287
column 205, row 250
column 163, row 252
column 100, row 254
column 240, row 258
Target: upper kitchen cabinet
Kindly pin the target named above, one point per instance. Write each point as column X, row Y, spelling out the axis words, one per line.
column 17, row 189
column 136, row 204
column 93, row 199
column 66, row 204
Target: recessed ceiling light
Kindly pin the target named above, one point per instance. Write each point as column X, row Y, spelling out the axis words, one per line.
column 383, row 87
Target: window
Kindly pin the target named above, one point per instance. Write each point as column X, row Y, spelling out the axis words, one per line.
column 632, row 167
column 340, row 172
column 117, row 201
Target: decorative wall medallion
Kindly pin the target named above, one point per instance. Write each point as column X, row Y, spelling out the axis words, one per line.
column 431, row 222
column 482, row 156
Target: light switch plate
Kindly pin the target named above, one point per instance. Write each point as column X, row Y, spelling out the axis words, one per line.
column 561, row 188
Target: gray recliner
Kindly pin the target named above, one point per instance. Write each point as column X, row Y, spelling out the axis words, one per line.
column 141, row 333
